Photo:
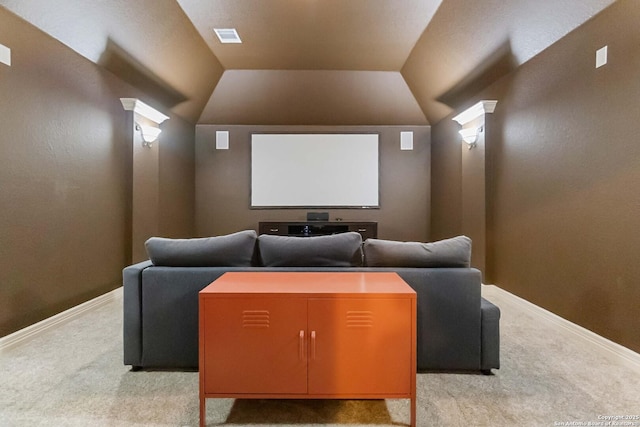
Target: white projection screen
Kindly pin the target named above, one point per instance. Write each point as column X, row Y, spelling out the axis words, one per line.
column 314, row 171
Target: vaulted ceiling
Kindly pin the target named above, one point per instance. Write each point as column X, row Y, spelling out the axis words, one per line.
column 308, row 62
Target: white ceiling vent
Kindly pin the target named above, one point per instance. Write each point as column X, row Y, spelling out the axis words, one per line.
column 227, row 35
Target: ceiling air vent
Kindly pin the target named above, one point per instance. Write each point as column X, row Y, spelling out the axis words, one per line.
column 227, row 35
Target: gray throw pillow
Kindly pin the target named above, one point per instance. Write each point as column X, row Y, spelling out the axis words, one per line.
column 231, row 250
column 454, row 252
column 336, row 250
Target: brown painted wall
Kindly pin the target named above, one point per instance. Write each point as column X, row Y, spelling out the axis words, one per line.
column 470, row 44
column 176, row 203
column 162, row 184
column 312, row 97
column 223, row 181
column 446, row 180
column 146, row 189
column 65, row 148
column 474, row 194
column 563, row 178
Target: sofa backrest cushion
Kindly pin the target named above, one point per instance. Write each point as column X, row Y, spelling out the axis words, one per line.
column 336, row 250
column 454, row 252
column 231, row 250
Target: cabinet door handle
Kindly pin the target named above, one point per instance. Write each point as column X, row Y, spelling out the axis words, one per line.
column 313, row 345
column 301, row 346
column 274, row 230
column 361, row 230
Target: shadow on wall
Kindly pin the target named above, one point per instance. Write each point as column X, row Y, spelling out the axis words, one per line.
column 129, row 69
column 497, row 65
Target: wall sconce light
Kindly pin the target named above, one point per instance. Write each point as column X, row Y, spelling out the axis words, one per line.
column 479, row 109
column 470, row 136
column 149, row 134
column 146, row 111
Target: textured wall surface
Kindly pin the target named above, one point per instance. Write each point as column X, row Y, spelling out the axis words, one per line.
column 176, row 203
column 64, row 206
column 446, row 180
column 470, row 44
column 563, row 176
column 223, row 183
column 66, row 178
column 154, row 38
column 312, row 97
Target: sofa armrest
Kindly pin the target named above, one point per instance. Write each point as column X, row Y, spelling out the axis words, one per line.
column 449, row 318
column 490, row 336
column 132, row 306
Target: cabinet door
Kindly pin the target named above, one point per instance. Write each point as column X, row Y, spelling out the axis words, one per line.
column 255, row 345
column 359, row 346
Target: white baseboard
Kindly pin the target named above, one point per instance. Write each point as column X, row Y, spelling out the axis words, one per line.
column 607, row 348
column 34, row 330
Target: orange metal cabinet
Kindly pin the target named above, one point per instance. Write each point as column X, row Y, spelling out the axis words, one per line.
column 308, row 335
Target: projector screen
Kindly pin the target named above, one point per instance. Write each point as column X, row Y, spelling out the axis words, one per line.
column 314, row 171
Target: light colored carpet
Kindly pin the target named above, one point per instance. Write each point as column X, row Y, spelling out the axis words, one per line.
column 73, row 376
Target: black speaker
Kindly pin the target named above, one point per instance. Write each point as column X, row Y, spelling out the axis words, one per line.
column 317, row 216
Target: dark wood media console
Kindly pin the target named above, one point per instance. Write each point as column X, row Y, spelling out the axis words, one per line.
column 318, row 228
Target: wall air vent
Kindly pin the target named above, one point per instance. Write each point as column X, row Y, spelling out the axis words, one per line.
column 227, row 35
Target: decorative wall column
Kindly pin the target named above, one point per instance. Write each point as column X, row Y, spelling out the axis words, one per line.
column 474, row 203
column 144, row 128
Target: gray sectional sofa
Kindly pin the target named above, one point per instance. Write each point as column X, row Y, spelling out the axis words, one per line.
column 457, row 329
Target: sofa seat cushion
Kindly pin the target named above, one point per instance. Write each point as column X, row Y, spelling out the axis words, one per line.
column 231, row 250
column 336, row 250
column 454, row 252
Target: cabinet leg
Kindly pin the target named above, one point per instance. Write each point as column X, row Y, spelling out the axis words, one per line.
column 203, row 411
column 413, row 411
